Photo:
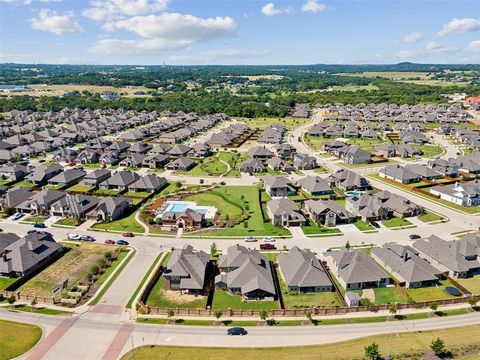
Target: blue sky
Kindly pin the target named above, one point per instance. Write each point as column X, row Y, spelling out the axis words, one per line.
column 239, row 31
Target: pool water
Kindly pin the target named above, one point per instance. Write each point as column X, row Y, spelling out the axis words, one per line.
column 177, row 207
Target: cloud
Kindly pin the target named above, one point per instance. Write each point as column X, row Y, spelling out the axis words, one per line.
column 235, row 54
column 433, row 46
column 413, row 37
column 56, row 23
column 460, row 26
column 271, row 10
column 117, row 9
column 27, row 2
column 165, row 32
column 314, row 6
column 474, row 46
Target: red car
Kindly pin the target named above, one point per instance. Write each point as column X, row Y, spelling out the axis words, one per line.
column 110, row 242
column 267, row 246
column 128, row 234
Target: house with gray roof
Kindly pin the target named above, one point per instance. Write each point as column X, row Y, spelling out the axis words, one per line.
column 348, row 180
column 13, row 172
column 120, row 181
column 356, row 270
column 43, row 173
column 327, row 212
column 76, row 206
column 182, row 163
column 406, row 266
column 315, row 186
column 285, row 151
column 67, row 178
column 304, row 162
column 20, row 256
column 464, row 194
column 148, row 183
column 252, row 166
column 399, row 174
column 277, row 186
column 186, row 270
column 424, row 172
column 109, row 209
column 14, row 196
column 95, row 177
column 355, row 155
column 460, row 258
column 277, row 164
column 302, row 272
column 247, row 273
column 285, row 212
column 40, row 201
column 260, row 152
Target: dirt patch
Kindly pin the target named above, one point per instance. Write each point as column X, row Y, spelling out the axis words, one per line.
column 369, row 294
column 178, row 297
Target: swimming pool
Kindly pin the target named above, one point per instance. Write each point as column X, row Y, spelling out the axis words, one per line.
column 353, row 193
column 177, row 207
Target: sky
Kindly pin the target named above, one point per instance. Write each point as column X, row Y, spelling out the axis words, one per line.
column 177, row 32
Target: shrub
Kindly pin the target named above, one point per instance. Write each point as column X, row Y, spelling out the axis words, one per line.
column 372, row 352
column 438, row 347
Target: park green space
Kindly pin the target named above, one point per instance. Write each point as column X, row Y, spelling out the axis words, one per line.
column 17, row 338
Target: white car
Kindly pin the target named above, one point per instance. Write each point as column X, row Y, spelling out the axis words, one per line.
column 250, row 239
column 71, row 236
column 268, row 239
column 17, row 216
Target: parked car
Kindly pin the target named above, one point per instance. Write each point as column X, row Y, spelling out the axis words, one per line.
column 33, row 231
column 72, row 236
column 268, row 239
column 250, row 239
column 122, row 242
column 267, row 246
column 414, row 236
column 375, row 224
column 87, row 238
column 110, row 242
column 237, row 331
column 39, row 225
column 128, row 234
column 17, row 216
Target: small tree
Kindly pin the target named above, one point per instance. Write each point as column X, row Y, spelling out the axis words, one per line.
column 218, row 314
column 245, row 224
column 263, row 314
column 438, row 347
column 213, row 250
column 309, row 317
column 372, row 352
column 472, row 301
column 393, row 310
column 347, row 245
column 434, row 306
column 11, row 299
column 34, row 303
column 170, row 313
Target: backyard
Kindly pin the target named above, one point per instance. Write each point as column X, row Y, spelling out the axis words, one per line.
column 222, row 300
column 73, row 266
column 472, row 284
column 431, row 293
column 160, row 297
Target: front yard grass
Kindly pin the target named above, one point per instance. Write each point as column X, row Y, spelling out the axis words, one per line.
column 158, row 298
column 25, row 184
column 35, row 219
column 17, row 338
column 74, row 265
column 127, row 223
column 363, row 225
column 429, row 216
column 431, row 293
column 78, row 188
column 313, row 229
column 69, row 222
column 222, row 300
column 396, row 222
column 472, row 284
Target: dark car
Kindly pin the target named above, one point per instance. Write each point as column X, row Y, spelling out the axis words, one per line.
column 414, row 236
column 87, row 238
column 122, row 242
column 33, row 231
column 128, row 234
column 110, row 242
column 267, row 246
column 375, row 224
column 39, row 225
column 237, row 331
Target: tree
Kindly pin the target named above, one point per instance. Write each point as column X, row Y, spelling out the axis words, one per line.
column 263, row 314
column 11, row 299
column 218, row 314
column 438, row 347
column 34, row 303
column 372, row 352
column 347, row 245
column 213, row 250
column 393, row 309
column 170, row 313
column 309, row 317
column 434, row 306
column 472, row 301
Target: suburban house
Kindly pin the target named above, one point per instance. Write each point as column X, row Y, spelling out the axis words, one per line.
column 460, row 258
column 277, row 164
column 13, row 172
column 399, row 174
column 96, row 177
column 356, row 155
column 277, row 186
column 20, row 256
column 76, row 206
column 285, row 212
column 67, row 178
column 348, row 180
column 315, row 186
column 356, row 270
column 246, row 272
column 43, row 173
column 186, row 219
column 464, row 194
column 327, row 212
column 304, row 162
column 302, row 271
column 186, row 270
column 119, row 181
column 40, row 202
column 182, row 163
column 14, row 196
column 406, row 266
column 252, row 166
column 260, row 152
column 401, row 150
column 424, row 172
column 285, row 151
column 109, row 209
column 148, row 183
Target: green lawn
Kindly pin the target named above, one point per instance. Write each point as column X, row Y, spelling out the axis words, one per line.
column 16, row 338
column 106, row 192
column 429, row 216
column 112, row 267
column 138, row 194
column 316, row 142
column 263, row 122
column 363, row 225
column 6, row 282
column 408, row 342
column 41, row 310
column 222, row 300
column 69, row 222
column 35, row 219
column 366, row 144
column 472, row 284
column 127, row 223
column 25, row 184
column 80, row 188
column 246, row 200
column 211, row 166
column 431, row 293
column 396, row 222
column 234, row 160
column 389, row 295
column 313, row 229
column 430, row 150
column 158, row 298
